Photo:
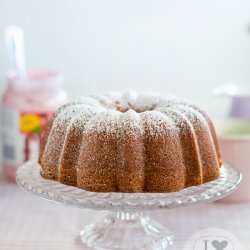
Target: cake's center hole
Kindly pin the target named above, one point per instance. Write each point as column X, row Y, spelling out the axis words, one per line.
column 123, row 108
column 137, row 110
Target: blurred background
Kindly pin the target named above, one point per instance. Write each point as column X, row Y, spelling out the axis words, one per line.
column 187, row 48
column 182, row 47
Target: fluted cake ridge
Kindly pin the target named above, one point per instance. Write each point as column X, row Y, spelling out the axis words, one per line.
column 130, row 142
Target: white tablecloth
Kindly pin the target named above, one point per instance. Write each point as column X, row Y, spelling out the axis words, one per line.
column 30, row 223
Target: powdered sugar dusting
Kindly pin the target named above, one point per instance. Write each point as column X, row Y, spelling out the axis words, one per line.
column 75, row 128
column 113, row 109
column 101, row 135
column 86, row 100
column 156, row 123
column 130, row 122
column 67, row 114
column 109, row 100
column 179, row 118
column 73, row 111
column 147, row 102
column 105, row 121
column 114, row 97
column 191, row 114
column 128, row 100
column 130, row 110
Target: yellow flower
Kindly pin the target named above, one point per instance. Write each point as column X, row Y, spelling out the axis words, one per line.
column 29, row 122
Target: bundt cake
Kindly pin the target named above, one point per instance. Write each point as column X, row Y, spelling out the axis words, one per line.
column 130, row 143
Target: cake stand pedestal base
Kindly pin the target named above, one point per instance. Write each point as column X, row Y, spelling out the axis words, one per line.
column 126, row 230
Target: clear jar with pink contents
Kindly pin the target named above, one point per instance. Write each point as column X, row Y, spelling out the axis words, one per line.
column 26, row 106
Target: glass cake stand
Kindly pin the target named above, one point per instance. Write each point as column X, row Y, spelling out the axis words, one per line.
column 127, row 227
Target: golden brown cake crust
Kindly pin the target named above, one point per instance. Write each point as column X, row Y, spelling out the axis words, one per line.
column 130, row 143
column 130, row 156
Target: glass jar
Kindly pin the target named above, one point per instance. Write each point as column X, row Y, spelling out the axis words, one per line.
column 26, row 106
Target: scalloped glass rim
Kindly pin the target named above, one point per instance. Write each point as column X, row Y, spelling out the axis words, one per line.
column 28, row 177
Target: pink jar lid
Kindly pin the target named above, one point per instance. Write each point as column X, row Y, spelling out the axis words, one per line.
column 38, row 81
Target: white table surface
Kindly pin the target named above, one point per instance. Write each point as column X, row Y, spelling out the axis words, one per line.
column 28, row 222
